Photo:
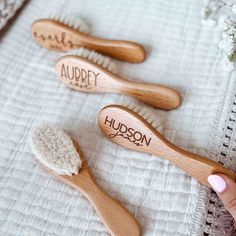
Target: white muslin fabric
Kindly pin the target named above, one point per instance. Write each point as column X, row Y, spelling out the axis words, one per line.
column 182, row 53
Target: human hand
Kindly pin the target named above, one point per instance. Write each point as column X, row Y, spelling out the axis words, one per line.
column 226, row 190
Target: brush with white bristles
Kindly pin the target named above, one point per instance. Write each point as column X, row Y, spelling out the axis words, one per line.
column 130, row 129
column 90, row 72
column 57, row 154
column 95, row 58
column 64, row 33
column 151, row 118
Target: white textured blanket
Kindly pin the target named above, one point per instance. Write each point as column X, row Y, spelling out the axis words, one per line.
column 182, row 53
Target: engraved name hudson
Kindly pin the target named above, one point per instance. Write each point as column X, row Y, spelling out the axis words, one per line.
column 128, row 133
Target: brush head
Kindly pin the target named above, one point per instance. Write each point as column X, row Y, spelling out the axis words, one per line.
column 86, row 71
column 58, row 32
column 128, row 128
column 55, row 149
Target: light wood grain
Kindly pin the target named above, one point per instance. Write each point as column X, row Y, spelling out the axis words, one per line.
column 152, row 142
column 59, row 37
column 115, row 217
column 83, row 75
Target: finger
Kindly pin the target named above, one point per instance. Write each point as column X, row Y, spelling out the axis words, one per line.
column 226, row 190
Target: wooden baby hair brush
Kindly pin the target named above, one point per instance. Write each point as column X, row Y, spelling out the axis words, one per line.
column 63, row 33
column 90, row 72
column 57, row 154
column 126, row 127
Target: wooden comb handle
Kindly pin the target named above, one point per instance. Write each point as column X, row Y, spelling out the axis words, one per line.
column 115, row 217
column 156, row 95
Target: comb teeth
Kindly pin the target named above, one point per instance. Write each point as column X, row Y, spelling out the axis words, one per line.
column 73, row 22
column 153, row 120
column 97, row 58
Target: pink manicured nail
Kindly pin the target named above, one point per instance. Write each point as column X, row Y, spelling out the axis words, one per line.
column 217, row 183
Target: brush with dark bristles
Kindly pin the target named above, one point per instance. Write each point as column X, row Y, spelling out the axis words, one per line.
column 62, row 33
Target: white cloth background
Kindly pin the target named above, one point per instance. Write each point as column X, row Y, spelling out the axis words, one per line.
column 181, row 53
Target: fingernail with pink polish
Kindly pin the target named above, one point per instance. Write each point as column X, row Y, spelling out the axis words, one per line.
column 217, row 183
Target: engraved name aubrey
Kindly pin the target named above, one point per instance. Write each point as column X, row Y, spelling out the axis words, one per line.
column 127, row 133
column 80, row 77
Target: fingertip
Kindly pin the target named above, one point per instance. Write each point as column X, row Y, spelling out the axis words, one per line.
column 217, row 182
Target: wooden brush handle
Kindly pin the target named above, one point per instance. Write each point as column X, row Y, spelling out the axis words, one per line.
column 196, row 166
column 120, row 49
column 115, row 217
column 152, row 94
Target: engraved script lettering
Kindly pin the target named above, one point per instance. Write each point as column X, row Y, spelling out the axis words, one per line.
column 56, row 41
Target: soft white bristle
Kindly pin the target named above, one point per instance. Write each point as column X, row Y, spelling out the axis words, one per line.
column 156, row 122
column 55, row 149
column 72, row 21
column 97, row 58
